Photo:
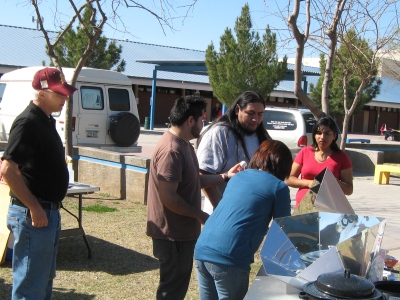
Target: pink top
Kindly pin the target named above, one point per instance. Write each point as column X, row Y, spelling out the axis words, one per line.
column 310, row 167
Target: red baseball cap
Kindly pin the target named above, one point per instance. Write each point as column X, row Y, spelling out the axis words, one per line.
column 52, row 79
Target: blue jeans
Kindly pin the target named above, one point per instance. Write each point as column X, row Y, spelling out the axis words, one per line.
column 34, row 255
column 218, row 281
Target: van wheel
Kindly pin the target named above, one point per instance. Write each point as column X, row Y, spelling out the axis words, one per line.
column 124, row 129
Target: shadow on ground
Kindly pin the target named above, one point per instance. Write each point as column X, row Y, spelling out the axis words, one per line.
column 61, row 294
column 106, row 257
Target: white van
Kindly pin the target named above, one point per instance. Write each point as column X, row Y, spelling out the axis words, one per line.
column 104, row 107
column 292, row 126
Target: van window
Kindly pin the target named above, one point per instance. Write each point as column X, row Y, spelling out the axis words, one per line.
column 119, row 99
column 92, row 98
column 310, row 122
column 2, row 88
column 279, row 120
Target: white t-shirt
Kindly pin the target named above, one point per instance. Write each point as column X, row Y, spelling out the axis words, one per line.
column 219, row 151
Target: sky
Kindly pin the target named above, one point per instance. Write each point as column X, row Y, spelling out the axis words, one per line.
column 205, row 23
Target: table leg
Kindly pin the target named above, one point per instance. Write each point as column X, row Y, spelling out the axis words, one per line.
column 80, row 226
column 77, row 231
column 385, row 177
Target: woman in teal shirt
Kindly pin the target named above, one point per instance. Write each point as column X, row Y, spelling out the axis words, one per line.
column 235, row 230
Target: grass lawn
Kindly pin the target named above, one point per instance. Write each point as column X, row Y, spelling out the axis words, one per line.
column 122, row 265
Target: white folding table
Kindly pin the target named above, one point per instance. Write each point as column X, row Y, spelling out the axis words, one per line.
column 78, row 189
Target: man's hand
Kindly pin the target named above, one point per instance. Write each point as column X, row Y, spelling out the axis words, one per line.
column 14, row 179
column 203, row 217
column 235, row 169
column 39, row 217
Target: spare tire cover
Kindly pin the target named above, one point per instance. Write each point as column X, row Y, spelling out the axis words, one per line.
column 124, row 129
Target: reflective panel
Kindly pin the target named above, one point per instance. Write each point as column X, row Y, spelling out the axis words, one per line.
column 324, row 195
column 299, row 248
column 283, row 257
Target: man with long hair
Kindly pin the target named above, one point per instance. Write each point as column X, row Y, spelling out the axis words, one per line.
column 230, row 139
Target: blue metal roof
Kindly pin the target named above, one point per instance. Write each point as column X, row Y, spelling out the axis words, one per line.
column 140, row 58
column 24, row 47
column 390, row 91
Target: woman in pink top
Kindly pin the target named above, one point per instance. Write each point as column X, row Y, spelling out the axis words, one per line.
column 324, row 153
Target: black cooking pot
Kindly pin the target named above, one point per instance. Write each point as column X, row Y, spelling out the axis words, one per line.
column 334, row 286
column 389, row 288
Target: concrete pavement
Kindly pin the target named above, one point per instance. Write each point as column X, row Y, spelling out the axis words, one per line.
column 149, row 138
column 368, row 199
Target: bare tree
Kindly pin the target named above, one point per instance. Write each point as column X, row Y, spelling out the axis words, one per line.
column 301, row 39
column 325, row 27
column 107, row 12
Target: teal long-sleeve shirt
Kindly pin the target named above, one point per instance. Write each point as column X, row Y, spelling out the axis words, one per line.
column 235, row 230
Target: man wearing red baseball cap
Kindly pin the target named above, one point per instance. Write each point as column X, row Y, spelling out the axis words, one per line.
column 52, row 79
column 33, row 166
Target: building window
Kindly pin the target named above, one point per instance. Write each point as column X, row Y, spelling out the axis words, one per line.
column 119, row 99
column 289, row 101
column 92, row 98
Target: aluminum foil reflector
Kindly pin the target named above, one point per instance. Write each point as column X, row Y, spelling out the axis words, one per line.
column 324, row 195
column 323, row 235
column 299, row 248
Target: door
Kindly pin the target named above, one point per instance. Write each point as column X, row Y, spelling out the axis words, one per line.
column 91, row 116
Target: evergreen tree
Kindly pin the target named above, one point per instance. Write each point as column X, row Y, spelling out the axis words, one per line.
column 104, row 56
column 244, row 63
column 356, row 66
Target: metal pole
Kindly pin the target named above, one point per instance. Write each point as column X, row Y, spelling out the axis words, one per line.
column 153, row 99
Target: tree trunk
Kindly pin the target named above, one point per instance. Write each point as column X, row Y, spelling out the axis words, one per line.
column 345, row 130
column 68, row 126
column 301, row 40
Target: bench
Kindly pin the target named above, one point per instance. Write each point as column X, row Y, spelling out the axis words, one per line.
column 358, row 140
column 382, row 173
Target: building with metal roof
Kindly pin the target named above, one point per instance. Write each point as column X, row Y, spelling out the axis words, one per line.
column 140, row 58
column 22, row 47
